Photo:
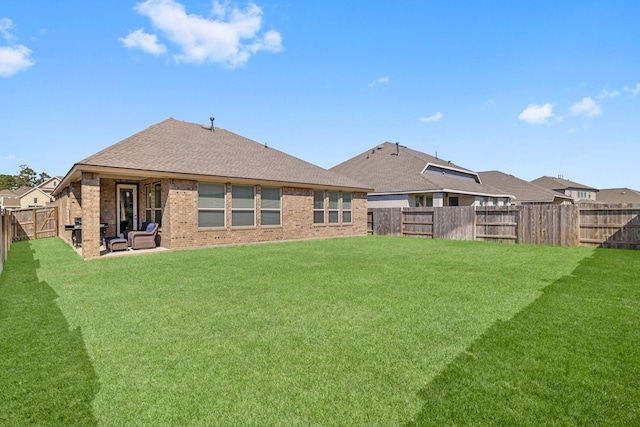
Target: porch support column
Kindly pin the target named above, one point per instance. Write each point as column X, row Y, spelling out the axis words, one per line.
column 90, row 215
column 438, row 200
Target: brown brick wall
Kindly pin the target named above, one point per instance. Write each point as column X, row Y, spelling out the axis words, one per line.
column 180, row 220
column 69, row 204
column 90, row 215
column 180, row 215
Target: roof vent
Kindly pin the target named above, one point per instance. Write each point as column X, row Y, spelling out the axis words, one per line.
column 397, row 153
column 210, row 128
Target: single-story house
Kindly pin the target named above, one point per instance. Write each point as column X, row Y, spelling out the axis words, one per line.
column 205, row 186
column 526, row 192
column 402, row 177
column 618, row 195
column 579, row 192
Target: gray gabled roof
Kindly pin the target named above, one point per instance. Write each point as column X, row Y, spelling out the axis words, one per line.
column 618, row 195
column 390, row 168
column 525, row 192
column 174, row 146
column 558, row 184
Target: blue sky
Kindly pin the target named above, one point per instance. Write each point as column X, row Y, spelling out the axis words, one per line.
column 530, row 88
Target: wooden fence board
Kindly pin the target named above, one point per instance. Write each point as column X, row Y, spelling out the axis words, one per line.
column 611, row 226
column 454, row 223
column 35, row 223
column 418, row 222
column 387, row 221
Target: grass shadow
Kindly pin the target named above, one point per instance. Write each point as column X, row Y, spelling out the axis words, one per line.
column 569, row 358
column 47, row 376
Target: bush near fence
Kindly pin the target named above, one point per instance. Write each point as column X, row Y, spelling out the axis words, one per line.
column 602, row 225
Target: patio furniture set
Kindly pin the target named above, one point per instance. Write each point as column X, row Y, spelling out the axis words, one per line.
column 145, row 238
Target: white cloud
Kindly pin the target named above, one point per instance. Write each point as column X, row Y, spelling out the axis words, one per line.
column 15, row 58
column 434, row 118
column 608, row 94
column 536, row 114
column 587, row 107
column 9, row 157
column 145, row 42
column 381, row 81
column 230, row 38
column 635, row 91
column 5, row 25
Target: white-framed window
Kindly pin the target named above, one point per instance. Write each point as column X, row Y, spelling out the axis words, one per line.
column 147, row 203
column 157, row 203
column 243, row 205
column 318, row 207
column 346, row 207
column 211, row 204
column 334, row 207
column 270, row 205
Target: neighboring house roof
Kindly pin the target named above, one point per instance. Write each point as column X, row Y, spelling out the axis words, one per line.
column 26, row 191
column 177, row 147
column 618, row 195
column 50, row 184
column 22, row 191
column 558, row 184
column 391, row 169
column 7, row 193
column 525, row 192
column 10, row 202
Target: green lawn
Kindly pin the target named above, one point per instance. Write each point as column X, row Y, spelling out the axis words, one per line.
column 360, row 331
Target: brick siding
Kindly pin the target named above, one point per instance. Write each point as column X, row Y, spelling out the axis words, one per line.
column 180, row 215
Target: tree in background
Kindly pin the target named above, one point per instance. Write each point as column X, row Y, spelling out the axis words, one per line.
column 7, row 182
column 26, row 177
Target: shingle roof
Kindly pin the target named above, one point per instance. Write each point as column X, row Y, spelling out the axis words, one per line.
column 525, row 192
column 22, row 191
column 175, row 146
column 618, row 195
column 556, row 184
column 10, row 202
column 391, row 168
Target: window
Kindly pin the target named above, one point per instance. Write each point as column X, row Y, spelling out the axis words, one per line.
column 419, row 201
column 147, row 204
column 270, row 206
column 242, row 205
column 429, row 202
column 211, row 206
column 35, row 200
column 157, row 189
column 334, row 205
column 318, row 207
column 346, row 207
column 453, row 201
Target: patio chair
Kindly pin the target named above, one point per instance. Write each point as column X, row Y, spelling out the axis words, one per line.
column 144, row 238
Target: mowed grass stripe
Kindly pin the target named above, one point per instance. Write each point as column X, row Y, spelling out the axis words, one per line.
column 570, row 358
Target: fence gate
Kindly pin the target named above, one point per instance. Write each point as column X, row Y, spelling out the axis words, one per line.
column 34, row 223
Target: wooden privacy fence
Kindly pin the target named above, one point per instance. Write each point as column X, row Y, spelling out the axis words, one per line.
column 612, row 226
column 5, row 236
column 35, row 223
